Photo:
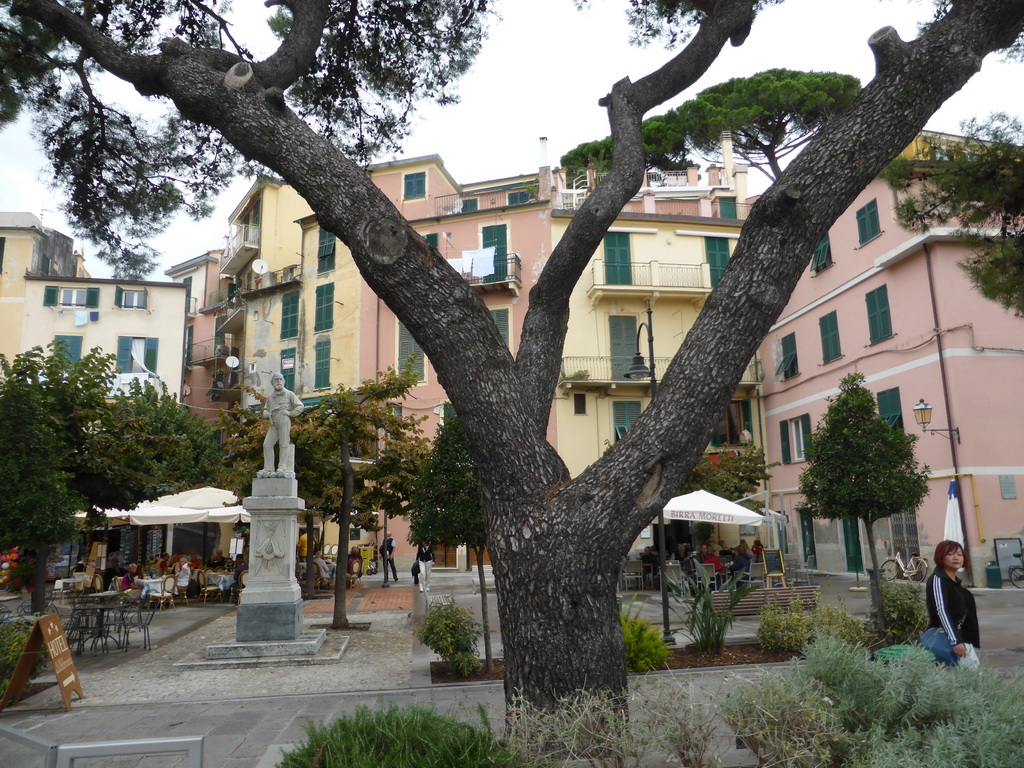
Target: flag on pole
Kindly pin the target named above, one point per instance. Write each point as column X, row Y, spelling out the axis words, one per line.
column 953, row 531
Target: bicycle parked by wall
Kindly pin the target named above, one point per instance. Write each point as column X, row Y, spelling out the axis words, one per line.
column 915, row 569
column 1016, row 573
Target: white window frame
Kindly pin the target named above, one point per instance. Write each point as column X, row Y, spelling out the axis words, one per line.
column 74, row 293
column 797, row 441
column 131, row 299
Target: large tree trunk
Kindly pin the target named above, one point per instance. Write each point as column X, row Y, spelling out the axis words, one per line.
column 340, row 618
column 555, row 542
column 875, row 580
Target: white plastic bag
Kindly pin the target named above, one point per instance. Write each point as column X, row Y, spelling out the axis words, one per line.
column 971, row 660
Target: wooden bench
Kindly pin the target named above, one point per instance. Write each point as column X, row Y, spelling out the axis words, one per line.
column 752, row 604
column 488, row 579
column 442, row 599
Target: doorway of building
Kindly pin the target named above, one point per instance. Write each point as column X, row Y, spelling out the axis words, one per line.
column 851, row 540
column 807, row 536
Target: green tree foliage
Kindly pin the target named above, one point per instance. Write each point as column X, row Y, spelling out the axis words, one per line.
column 664, row 145
column 860, row 467
column 446, row 507
column 770, row 115
column 977, row 184
column 673, row 21
column 125, row 176
column 356, row 456
column 732, row 475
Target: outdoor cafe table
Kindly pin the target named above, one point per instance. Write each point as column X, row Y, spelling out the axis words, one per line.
column 149, row 587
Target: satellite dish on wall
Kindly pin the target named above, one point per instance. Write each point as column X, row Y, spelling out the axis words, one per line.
column 187, row 390
column 231, row 362
column 260, row 267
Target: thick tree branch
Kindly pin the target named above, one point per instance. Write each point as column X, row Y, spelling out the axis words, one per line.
column 297, row 52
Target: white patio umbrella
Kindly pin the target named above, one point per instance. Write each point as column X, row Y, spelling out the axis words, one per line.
column 953, row 531
column 704, row 507
column 207, row 497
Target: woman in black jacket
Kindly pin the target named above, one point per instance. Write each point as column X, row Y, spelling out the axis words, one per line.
column 952, row 614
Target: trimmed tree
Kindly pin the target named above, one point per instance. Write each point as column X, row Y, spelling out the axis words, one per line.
column 446, row 506
column 977, row 184
column 858, row 466
column 539, row 518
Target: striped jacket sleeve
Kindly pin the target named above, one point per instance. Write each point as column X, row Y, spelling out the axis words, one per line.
column 939, row 595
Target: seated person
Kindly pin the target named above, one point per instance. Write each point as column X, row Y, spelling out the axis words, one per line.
column 80, row 566
column 353, row 566
column 723, row 551
column 194, row 561
column 681, row 553
column 128, row 580
column 649, row 565
column 323, row 571
column 757, row 551
column 740, row 562
column 165, row 564
column 240, row 565
column 182, row 577
column 218, row 560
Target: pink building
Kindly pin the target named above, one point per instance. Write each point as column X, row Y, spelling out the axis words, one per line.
column 894, row 306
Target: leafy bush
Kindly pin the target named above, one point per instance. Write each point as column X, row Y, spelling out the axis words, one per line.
column 399, row 737
column 839, row 707
column 13, row 636
column 685, row 716
column 785, row 630
column 450, row 632
column 835, row 621
column 645, row 648
column 906, row 616
column 705, row 627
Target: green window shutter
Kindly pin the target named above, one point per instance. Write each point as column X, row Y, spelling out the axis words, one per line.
column 50, row 295
column 118, row 296
column 415, row 185
column 288, row 371
column 325, row 251
column 829, row 327
column 152, row 345
column 290, row 315
column 448, row 412
column 500, row 317
column 805, row 428
column 407, row 348
column 727, row 207
column 822, row 255
column 867, row 222
column 145, row 299
column 716, row 436
column 879, row 322
column 470, row 206
column 92, row 298
column 431, row 238
column 622, row 337
column 518, row 198
column 324, row 315
column 497, row 236
column 624, row 415
column 124, row 354
column 322, row 372
column 788, row 366
column 889, row 407
column 69, row 346
column 3, row 245
column 189, row 335
column 787, row 457
column 747, row 414
column 716, row 250
column 617, row 261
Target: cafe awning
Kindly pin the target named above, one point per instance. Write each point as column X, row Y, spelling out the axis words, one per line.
column 704, row 507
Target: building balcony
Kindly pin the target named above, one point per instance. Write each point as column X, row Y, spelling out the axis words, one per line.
column 225, row 386
column 609, row 372
column 507, row 276
column 644, row 280
column 244, row 247
column 453, row 205
column 122, row 382
column 192, row 305
column 290, row 274
column 212, row 351
column 232, row 317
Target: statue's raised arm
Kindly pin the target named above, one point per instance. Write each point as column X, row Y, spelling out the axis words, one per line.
column 281, row 405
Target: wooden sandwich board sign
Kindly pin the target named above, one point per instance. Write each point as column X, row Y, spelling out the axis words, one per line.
column 46, row 632
column 774, row 568
column 97, row 560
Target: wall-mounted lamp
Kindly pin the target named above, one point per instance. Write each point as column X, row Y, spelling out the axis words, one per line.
column 923, row 416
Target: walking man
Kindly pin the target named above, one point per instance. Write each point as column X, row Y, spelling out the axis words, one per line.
column 387, row 551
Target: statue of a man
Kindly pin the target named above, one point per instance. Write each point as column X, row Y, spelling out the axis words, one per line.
column 281, row 406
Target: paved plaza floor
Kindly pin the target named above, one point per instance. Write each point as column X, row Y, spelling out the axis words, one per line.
column 248, row 716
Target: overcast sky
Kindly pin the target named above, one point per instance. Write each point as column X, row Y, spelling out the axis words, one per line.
column 541, row 74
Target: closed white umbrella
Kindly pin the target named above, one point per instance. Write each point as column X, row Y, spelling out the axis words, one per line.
column 207, row 497
column 704, row 507
column 953, row 531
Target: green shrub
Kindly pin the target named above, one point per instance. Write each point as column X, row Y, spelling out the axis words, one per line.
column 705, row 627
column 835, row 621
column 13, row 637
column 645, row 648
column 450, row 632
column 399, row 737
column 785, row 630
column 906, row 616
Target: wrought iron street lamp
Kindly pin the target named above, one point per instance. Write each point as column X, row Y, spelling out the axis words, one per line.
column 923, row 416
column 640, row 370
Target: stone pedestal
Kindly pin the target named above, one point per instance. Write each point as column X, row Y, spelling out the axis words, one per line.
column 270, row 606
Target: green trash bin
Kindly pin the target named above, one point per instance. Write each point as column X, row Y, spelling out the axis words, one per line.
column 993, row 576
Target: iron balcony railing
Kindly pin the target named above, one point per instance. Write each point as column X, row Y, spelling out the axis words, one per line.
column 245, row 235
column 614, row 367
column 506, row 270
column 289, row 274
column 452, row 205
column 216, row 348
column 649, row 274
